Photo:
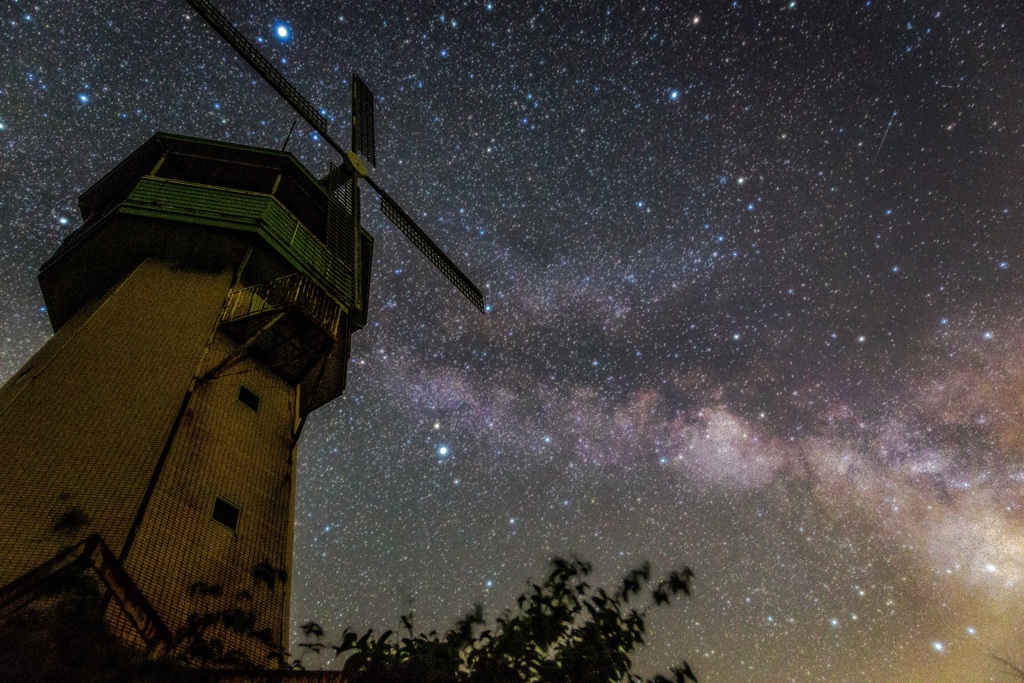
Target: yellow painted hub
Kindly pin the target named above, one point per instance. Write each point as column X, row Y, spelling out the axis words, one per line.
column 356, row 163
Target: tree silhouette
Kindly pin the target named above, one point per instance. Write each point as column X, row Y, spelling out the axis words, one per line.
column 562, row 631
column 65, row 637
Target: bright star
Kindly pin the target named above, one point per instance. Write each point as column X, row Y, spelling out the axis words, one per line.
column 673, row 95
column 282, row 31
column 939, row 647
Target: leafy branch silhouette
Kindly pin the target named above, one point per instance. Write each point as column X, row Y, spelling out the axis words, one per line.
column 563, row 630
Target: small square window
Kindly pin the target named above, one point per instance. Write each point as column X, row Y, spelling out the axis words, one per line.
column 226, row 513
column 249, row 397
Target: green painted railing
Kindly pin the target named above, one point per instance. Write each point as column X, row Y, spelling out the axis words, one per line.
column 262, row 214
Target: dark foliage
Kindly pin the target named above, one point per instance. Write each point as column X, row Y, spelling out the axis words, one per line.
column 203, row 640
column 266, row 573
column 65, row 637
column 211, row 638
column 71, row 520
column 562, row 631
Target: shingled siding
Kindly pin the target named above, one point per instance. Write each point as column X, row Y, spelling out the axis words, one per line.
column 84, row 421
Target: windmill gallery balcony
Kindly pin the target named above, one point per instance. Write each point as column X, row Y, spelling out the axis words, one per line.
column 230, row 196
column 286, row 323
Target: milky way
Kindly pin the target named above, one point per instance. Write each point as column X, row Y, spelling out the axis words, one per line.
column 756, row 280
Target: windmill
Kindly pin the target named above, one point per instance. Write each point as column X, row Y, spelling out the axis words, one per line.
column 203, row 309
column 342, row 182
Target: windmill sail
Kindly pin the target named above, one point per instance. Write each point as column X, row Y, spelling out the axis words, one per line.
column 264, row 68
column 363, row 141
column 422, row 241
column 342, row 182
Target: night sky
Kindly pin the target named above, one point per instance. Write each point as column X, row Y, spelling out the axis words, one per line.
column 756, row 276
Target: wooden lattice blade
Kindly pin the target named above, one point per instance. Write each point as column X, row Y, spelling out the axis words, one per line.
column 390, row 208
column 363, row 136
column 264, row 68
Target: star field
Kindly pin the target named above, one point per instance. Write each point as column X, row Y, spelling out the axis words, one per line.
column 756, row 278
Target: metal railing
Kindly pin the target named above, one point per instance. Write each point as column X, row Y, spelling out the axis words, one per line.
column 249, row 211
column 291, row 290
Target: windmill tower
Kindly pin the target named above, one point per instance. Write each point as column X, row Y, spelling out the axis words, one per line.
column 203, row 309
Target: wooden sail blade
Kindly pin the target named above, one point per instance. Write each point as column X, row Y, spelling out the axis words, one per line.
column 264, row 68
column 390, row 208
column 363, row 139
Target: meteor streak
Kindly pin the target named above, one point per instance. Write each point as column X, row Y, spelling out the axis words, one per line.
column 884, row 135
